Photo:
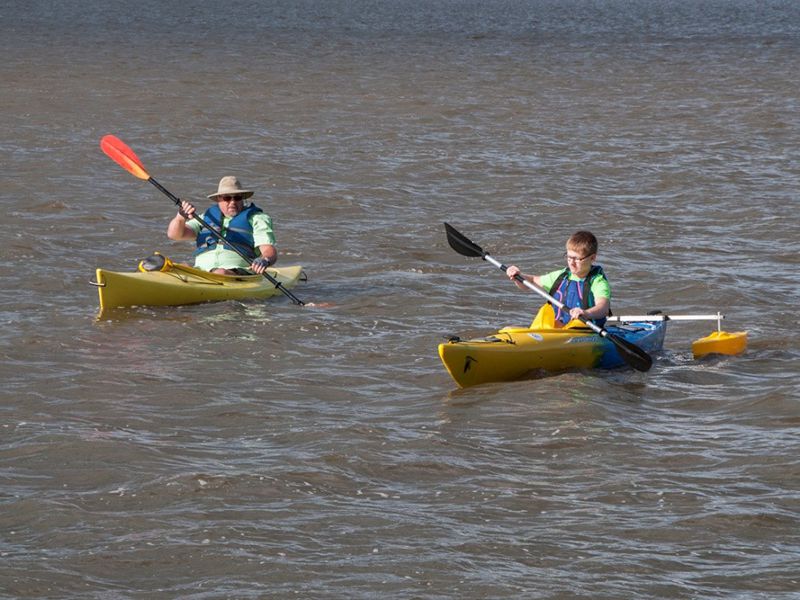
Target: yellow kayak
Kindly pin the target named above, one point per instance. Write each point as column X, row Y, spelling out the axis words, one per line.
column 174, row 284
column 517, row 352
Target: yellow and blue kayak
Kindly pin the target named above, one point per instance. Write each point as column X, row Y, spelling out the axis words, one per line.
column 173, row 284
column 516, row 352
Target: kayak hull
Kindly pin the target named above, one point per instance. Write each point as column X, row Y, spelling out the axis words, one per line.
column 180, row 284
column 517, row 353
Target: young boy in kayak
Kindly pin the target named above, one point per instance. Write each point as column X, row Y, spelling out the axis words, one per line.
column 582, row 286
column 247, row 228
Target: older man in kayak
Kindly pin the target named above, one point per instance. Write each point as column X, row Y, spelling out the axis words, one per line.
column 246, row 228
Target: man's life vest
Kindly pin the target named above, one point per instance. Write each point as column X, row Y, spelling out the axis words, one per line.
column 238, row 235
column 575, row 293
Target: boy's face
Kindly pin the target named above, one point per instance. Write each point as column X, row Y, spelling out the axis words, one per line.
column 578, row 261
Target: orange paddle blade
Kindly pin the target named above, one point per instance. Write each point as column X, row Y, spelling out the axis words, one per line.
column 118, row 151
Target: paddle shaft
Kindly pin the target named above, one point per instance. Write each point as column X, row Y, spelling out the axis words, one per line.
column 221, row 239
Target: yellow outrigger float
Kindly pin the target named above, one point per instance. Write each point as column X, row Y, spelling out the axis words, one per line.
column 720, row 342
column 175, row 284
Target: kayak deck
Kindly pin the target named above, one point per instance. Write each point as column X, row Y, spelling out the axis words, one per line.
column 515, row 353
column 179, row 284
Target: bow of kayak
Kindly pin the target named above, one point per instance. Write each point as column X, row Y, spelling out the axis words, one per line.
column 515, row 353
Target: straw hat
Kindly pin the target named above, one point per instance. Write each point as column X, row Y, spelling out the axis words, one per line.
column 230, row 186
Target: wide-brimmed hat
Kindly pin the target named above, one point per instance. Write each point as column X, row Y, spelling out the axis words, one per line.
column 230, row 186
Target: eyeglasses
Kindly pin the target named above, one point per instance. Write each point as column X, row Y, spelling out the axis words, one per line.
column 575, row 259
column 230, row 198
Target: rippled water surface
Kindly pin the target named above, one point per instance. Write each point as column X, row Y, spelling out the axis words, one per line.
column 259, row 449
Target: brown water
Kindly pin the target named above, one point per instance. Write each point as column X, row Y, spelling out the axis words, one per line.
column 258, row 449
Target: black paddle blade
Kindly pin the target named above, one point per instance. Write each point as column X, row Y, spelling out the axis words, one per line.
column 631, row 353
column 461, row 244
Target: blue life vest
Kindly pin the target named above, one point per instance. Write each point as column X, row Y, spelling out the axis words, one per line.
column 239, row 233
column 575, row 293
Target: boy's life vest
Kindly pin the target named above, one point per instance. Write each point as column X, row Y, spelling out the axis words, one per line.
column 575, row 293
column 239, row 233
